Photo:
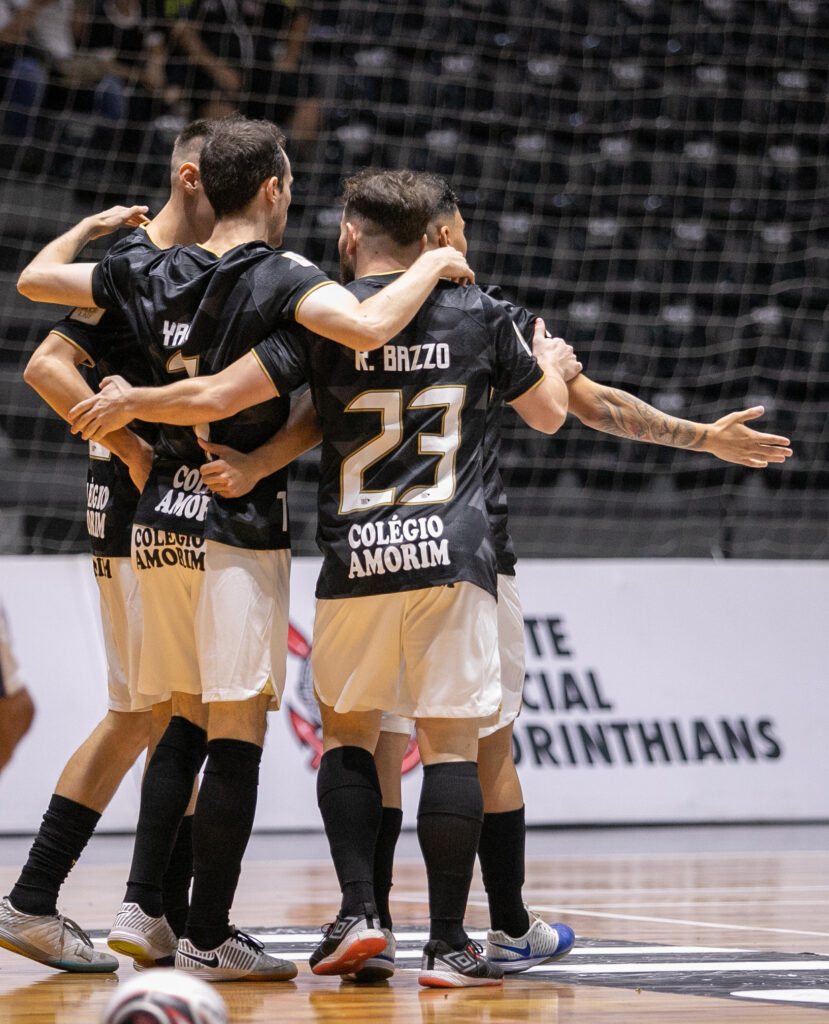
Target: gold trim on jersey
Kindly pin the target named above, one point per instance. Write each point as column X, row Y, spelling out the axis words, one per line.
column 310, row 291
column 264, row 370
column 88, row 361
column 532, row 387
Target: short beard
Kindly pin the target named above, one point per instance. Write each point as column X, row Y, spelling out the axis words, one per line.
column 346, row 270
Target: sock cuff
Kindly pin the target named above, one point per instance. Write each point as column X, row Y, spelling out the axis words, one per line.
column 84, row 816
column 451, row 788
column 346, row 766
column 234, row 752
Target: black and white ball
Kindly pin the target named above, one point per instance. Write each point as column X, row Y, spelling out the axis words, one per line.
column 165, row 997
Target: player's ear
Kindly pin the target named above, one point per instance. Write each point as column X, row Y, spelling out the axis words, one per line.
column 188, row 175
column 424, row 242
column 272, row 189
column 443, row 235
column 353, row 235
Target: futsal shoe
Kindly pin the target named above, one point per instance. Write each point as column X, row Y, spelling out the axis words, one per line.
column 146, row 939
column 239, row 958
column 53, row 940
column 379, row 967
column 541, row 944
column 349, row 942
column 444, row 967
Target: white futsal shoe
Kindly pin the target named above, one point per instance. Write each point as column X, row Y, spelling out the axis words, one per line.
column 541, row 944
column 51, row 939
column 379, row 967
column 240, row 957
column 150, row 941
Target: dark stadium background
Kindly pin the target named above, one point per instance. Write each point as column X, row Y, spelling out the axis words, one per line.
column 648, row 175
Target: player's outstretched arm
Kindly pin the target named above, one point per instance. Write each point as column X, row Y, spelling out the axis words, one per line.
column 231, row 473
column 52, row 371
column 335, row 313
column 53, row 277
column 185, row 403
column 624, row 415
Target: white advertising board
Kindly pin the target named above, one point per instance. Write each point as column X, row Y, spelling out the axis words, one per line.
column 656, row 691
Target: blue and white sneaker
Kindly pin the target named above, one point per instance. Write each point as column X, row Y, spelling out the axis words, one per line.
column 541, row 944
column 379, row 967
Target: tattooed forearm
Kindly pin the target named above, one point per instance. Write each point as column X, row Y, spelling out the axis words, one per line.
column 625, row 415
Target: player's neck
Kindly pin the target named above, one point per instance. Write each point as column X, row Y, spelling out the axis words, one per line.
column 378, row 263
column 171, row 226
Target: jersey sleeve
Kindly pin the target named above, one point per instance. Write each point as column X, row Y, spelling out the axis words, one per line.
column 282, row 283
column 515, row 368
column 284, row 358
column 94, row 331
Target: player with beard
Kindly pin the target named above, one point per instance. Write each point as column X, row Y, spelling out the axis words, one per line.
column 102, row 341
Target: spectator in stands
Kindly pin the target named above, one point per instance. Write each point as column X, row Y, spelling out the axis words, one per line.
column 22, row 65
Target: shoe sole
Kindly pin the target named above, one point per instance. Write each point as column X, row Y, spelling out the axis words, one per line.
column 349, row 960
column 374, row 969
column 22, row 948
column 437, row 979
column 286, row 973
column 135, row 945
column 516, row 966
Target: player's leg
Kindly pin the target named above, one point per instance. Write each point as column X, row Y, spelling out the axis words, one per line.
column 169, row 662
column 448, row 828
column 29, row 917
column 242, row 633
column 450, row 669
column 517, row 939
column 349, row 799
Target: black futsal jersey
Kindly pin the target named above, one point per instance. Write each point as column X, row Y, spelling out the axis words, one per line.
column 401, row 497
column 195, row 313
column 109, row 347
column 496, row 494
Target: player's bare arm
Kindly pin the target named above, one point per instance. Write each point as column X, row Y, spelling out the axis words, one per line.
column 53, row 277
column 624, row 415
column 231, row 473
column 52, row 371
column 185, row 403
column 335, row 313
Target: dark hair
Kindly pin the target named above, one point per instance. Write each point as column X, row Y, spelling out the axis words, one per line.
column 200, row 130
column 445, row 199
column 238, row 156
column 395, row 203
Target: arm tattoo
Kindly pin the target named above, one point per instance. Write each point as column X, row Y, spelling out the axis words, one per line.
column 625, row 415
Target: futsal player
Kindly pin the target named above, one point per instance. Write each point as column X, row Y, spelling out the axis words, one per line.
column 409, row 564
column 203, row 307
column 517, row 939
column 29, row 921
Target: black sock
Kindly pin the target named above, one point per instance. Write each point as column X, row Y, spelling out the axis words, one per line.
column 221, row 829
column 501, row 853
column 66, row 829
column 165, row 793
column 387, row 838
column 349, row 799
column 178, row 876
column 449, row 827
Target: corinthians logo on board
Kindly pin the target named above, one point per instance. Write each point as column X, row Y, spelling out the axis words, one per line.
column 305, row 723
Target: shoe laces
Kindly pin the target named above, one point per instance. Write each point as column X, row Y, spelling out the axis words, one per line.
column 476, row 948
column 248, row 940
column 74, row 928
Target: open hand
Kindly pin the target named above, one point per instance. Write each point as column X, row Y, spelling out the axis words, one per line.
column 732, row 441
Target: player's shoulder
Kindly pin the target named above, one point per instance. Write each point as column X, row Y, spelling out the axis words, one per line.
column 137, row 242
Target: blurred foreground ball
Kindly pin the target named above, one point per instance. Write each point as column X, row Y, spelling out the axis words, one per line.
column 165, row 997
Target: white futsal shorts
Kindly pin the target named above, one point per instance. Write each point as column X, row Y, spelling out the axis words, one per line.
column 429, row 653
column 122, row 624
column 215, row 618
column 10, row 679
column 511, row 660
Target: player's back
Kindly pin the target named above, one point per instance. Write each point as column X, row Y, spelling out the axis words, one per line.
column 401, row 501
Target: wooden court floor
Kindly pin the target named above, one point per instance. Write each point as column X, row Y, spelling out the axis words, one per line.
column 667, row 932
